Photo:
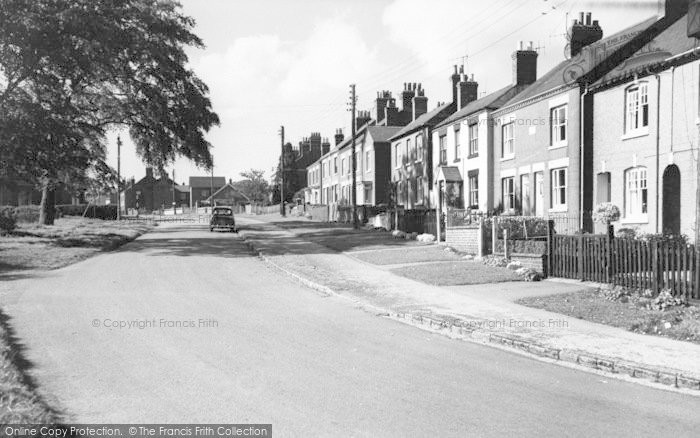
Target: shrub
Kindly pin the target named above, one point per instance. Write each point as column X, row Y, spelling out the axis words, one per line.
column 626, row 233
column 27, row 213
column 666, row 300
column 681, row 239
column 522, row 227
column 106, row 212
column 70, row 210
column 7, row 224
column 605, row 213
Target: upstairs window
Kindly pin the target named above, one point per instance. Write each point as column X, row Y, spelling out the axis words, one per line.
column 557, row 121
column 507, row 141
column 368, row 161
column 636, row 108
column 458, row 152
column 409, row 153
column 473, row 139
column 397, row 155
column 419, row 148
column 335, row 165
column 443, row 150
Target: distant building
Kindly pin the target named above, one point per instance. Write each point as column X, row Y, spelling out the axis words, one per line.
column 153, row 193
column 15, row 191
column 228, row 195
column 202, row 187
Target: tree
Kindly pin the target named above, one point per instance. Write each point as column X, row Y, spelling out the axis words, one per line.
column 70, row 70
column 254, row 186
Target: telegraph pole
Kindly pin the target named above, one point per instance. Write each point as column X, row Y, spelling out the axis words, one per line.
column 282, row 212
column 174, row 203
column 211, row 184
column 353, row 105
column 119, row 178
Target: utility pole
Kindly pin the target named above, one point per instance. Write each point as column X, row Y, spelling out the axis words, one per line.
column 282, row 212
column 211, row 184
column 353, row 105
column 119, row 178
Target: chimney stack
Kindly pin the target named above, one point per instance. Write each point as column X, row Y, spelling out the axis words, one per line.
column 673, row 9
column 466, row 90
column 407, row 95
column 420, row 103
column 362, row 118
column 524, row 64
column 383, row 98
column 455, row 80
column 338, row 136
column 149, row 172
column 584, row 33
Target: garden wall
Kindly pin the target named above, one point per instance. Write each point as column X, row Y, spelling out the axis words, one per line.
column 464, row 239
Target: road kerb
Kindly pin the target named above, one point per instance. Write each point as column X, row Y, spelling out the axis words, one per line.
column 656, row 376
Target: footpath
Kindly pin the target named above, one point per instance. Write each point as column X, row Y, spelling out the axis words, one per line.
column 327, row 258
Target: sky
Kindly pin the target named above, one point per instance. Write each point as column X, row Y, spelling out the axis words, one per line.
column 272, row 63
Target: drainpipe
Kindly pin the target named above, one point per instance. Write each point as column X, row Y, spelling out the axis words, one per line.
column 580, row 156
column 658, row 136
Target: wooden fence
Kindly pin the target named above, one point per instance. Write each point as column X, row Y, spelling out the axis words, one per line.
column 636, row 264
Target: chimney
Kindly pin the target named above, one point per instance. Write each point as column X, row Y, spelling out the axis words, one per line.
column 407, row 95
column 338, row 136
column 466, row 90
column 392, row 114
column 673, row 9
column 584, row 32
column 326, row 145
column 455, row 80
column 420, row 103
column 524, row 65
column 362, row 118
column 383, row 98
column 149, row 172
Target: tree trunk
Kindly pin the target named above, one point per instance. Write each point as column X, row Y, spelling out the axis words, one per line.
column 47, row 208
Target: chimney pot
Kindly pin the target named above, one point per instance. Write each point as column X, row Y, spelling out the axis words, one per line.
column 588, row 19
column 580, row 17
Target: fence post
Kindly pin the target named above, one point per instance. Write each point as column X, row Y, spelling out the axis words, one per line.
column 608, row 253
column 550, row 246
column 481, row 238
column 505, row 244
column 655, row 261
column 580, row 255
column 494, row 234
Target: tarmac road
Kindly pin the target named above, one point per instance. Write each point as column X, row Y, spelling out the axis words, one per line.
column 218, row 336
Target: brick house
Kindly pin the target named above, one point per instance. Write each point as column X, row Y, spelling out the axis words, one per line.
column 201, row 188
column 153, row 192
column 465, row 138
column 645, row 138
column 542, row 150
column 228, row 195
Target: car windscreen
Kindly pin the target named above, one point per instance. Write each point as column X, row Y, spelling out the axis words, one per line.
column 223, row 212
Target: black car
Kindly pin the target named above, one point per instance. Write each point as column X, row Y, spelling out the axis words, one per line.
column 222, row 217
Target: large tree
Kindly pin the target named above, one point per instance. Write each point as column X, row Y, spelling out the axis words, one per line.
column 254, row 186
column 70, row 70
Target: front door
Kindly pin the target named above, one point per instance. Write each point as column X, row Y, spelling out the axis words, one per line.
column 539, row 194
column 672, row 200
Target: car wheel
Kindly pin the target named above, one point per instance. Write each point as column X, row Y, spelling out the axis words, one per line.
column 211, row 230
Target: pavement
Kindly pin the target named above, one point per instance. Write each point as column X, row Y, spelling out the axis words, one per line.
column 262, row 348
column 483, row 313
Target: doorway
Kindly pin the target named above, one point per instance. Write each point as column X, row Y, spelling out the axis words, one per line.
column 671, row 200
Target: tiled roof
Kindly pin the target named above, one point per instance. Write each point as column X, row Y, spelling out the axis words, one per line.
column 229, row 185
column 206, row 181
column 431, row 118
column 490, row 101
column 450, row 173
column 382, row 133
column 567, row 71
column 671, row 42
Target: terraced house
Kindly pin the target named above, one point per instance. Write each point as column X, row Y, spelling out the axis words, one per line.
column 543, row 160
column 466, row 137
column 645, row 140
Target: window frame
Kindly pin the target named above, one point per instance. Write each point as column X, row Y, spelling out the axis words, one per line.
column 555, row 189
column 420, row 153
column 641, row 216
column 557, row 127
column 457, row 144
column 636, row 112
column 510, row 206
column 473, row 198
column 508, row 140
column 473, row 128
column 442, row 150
column 368, row 161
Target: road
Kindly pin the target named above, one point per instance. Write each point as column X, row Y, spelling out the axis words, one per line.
column 268, row 350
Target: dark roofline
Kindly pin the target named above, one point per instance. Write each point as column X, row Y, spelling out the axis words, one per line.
column 450, row 107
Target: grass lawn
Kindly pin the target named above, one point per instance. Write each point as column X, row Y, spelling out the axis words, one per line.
column 681, row 323
column 456, row 273
column 430, row 253
column 71, row 239
column 19, row 403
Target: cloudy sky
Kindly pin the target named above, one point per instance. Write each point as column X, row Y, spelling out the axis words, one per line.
column 290, row 62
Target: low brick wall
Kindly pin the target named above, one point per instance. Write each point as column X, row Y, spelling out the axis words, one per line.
column 464, row 239
column 537, row 262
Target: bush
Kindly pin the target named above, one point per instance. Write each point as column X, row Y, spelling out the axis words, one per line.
column 70, row 210
column 605, row 213
column 681, row 239
column 7, row 224
column 522, row 227
column 106, row 212
column 626, row 233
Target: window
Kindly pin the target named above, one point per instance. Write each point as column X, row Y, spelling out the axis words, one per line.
column 474, row 190
column 419, row 147
column 636, row 192
column 458, row 153
column 335, row 165
column 525, row 194
column 636, row 108
column 397, row 154
column 368, row 194
column 507, row 141
column 557, row 122
column 358, row 162
column 343, row 166
column 558, row 195
column 603, row 187
column 508, row 194
column 420, row 190
column 443, row 150
column 410, row 153
column 473, row 140
column 368, row 161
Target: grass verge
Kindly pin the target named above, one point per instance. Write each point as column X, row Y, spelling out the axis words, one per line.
column 681, row 323
column 457, row 273
column 19, row 402
column 69, row 240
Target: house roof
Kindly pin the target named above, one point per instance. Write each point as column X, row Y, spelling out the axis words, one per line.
column 182, row 188
column 206, row 181
column 449, row 174
column 670, row 43
column 431, row 118
column 490, row 101
column 382, row 133
column 566, row 73
column 228, row 185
